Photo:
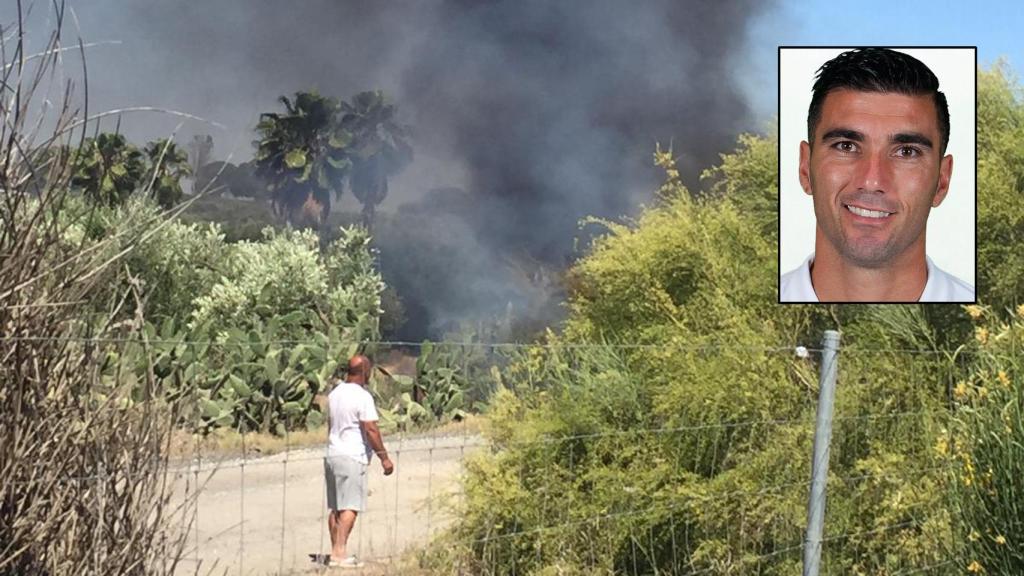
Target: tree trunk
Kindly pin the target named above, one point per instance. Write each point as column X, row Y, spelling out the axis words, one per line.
column 369, row 213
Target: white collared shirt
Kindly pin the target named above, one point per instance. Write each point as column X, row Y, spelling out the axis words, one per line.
column 795, row 285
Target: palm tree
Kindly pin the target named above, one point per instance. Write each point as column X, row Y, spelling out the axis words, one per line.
column 302, row 154
column 380, row 148
column 168, row 164
column 107, row 169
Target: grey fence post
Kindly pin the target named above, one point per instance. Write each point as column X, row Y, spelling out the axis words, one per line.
column 819, row 466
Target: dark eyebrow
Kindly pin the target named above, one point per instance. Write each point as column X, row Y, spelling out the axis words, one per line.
column 842, row 134
column 911, row 138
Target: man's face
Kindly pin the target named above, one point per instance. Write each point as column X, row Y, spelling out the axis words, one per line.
column 875, row 172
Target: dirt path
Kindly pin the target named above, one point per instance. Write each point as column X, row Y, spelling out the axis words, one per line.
column 267, row 515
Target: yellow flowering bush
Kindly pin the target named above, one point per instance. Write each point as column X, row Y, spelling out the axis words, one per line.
column 986, row 448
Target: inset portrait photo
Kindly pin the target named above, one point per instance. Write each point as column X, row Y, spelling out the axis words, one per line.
column 877, row 174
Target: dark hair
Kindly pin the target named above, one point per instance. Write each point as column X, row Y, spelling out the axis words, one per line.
column 877, row 70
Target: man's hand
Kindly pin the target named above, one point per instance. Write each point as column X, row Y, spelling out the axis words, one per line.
column 372, row 435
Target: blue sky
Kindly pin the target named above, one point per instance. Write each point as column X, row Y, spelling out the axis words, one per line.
column 994, row 27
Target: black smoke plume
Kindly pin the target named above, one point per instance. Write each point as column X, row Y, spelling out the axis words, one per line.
column 539, row 112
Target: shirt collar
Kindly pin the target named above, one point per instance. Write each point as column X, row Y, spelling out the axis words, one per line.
column 806, row 288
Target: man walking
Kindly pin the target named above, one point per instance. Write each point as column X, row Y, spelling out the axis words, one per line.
column 352, row 437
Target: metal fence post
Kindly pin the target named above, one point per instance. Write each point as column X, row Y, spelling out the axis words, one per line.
column 819, row 466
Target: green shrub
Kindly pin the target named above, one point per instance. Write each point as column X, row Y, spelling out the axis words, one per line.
column 669, row 428
column 452, row 380
column 246, row 333
column 986, row 449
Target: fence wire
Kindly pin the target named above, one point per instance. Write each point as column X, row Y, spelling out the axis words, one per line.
column 251, row 513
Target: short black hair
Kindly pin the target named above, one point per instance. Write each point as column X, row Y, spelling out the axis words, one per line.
column 877, row 70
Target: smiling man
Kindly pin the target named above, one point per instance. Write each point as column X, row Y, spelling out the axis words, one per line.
column 875, row 164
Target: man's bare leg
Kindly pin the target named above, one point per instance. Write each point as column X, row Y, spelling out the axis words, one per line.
column 340, row 524
column 332, row 522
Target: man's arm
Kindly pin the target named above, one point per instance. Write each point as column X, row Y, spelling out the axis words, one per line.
column 372, row 434
column 325, row 409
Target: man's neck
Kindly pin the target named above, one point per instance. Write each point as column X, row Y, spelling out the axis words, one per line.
column 837, row 280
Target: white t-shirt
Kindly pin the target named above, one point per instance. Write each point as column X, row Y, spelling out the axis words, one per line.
column 348, row 405
column 795, row 285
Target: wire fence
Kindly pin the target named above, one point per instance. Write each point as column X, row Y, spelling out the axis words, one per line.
column 562, row 499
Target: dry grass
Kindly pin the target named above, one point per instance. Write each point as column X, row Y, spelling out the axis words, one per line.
column 83, row 469
column 471, row 426
column 227, row 443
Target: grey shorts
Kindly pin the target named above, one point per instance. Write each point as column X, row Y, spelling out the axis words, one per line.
column 346, row 483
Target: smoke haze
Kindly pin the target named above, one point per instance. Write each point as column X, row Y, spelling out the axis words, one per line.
column 536, row 113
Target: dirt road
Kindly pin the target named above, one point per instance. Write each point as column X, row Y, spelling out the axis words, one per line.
column 268, row 515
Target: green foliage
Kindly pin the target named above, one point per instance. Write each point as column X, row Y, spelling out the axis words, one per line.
column 251, row 380
column 177, row 263
column 441, row 377
column 984, row 442
column 403, row 412
column 684, row 442
column 265, row 384
column 394, row 315
column 528, row 484
column 681, row 270
column 269, row 319
column 380, row 148
column 687, row 448
column 747, row 177
column 451, row 381
column 168, row 164
column 985, row 446
column 172, row 261
column 303, row 156
column 282, row 314
column 224, row 179
column 107, row 169
column 1000, row 181
column 287, row 272
column 306, row 153
column 239, row 219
